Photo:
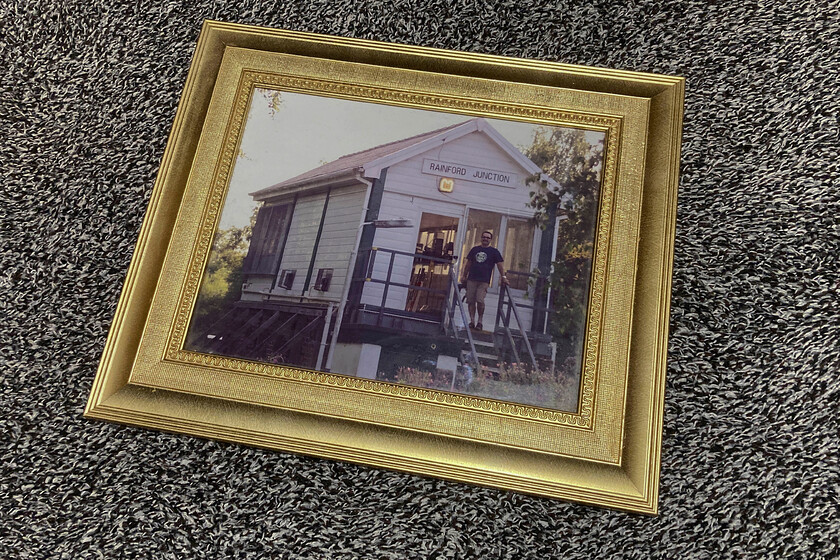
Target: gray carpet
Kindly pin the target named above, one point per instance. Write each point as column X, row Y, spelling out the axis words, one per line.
column 750, row 463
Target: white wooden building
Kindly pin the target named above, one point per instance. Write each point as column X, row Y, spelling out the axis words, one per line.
column 317, row 231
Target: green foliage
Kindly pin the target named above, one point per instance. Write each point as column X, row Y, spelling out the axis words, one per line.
column 273, row 98
column 567, row 157
column 222, row 282
column 519, row 382
column 514, row 382
column 423, row 378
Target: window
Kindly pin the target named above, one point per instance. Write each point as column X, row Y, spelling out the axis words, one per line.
column 323, row 280
column 287, row 279
column 519, row 242
column 267, row 240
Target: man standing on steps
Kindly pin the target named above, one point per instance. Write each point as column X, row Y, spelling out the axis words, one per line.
column 477, row 274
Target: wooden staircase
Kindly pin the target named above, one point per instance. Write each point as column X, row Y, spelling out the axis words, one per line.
column 485, row 350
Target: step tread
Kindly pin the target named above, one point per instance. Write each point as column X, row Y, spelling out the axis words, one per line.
column 482, row 337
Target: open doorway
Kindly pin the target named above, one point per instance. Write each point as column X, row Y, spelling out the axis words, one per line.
column 512, row 236
column 430, row 271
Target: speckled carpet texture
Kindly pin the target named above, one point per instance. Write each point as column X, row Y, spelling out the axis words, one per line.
column 751, row 451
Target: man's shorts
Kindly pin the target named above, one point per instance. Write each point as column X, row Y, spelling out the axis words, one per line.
column 476, row 291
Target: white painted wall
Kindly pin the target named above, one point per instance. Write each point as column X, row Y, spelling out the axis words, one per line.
column 341, row 222
column 256, row 285
column 301, row 240
column 344, row 214
column 361, row 360
column 395, row 205
column 408, row 194
column 475, row 150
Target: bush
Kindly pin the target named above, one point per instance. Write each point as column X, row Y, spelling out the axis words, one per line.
column 515, row 382
column 519, row 383
column 439, row 379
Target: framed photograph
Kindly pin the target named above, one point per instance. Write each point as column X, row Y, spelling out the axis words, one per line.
column 452, row 264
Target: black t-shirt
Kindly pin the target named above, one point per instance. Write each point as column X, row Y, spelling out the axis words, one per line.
column 483, row 260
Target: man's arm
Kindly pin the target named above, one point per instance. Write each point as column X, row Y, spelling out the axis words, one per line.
column 501, row 268
column 466, row 273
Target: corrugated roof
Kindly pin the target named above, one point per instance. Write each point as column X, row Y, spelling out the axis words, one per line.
column 359, row 159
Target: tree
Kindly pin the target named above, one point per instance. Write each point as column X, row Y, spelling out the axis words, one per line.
column 272, row 102
column 273, row 98
column 566, row 156
column 222, row 282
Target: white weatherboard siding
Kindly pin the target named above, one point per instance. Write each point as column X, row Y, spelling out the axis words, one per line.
column 301, row 240
column 476, row 150
column 344, row 213
column 256, row 285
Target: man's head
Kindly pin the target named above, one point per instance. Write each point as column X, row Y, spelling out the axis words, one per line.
column 486, row 238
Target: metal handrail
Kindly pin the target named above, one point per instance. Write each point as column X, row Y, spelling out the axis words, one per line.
column 402, row 285
column 505, row 292
column 506, row 328
column 504, row 318
column 534, row 306
column 368, row 274
column 449, row 309
column 409, row 254
column 512, row 305
column 450, row 291
column 453, row 287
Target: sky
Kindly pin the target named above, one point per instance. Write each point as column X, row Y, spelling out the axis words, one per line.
column 307, row 131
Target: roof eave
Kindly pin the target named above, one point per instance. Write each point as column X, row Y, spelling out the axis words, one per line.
column 374, row 167
column 341, row 177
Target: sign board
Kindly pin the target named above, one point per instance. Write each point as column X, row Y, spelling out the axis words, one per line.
column 477, row 174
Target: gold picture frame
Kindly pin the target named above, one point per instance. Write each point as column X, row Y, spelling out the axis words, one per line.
column 605, row 452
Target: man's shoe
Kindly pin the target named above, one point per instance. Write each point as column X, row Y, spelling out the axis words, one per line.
column 479, row 327
column 472, row 325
